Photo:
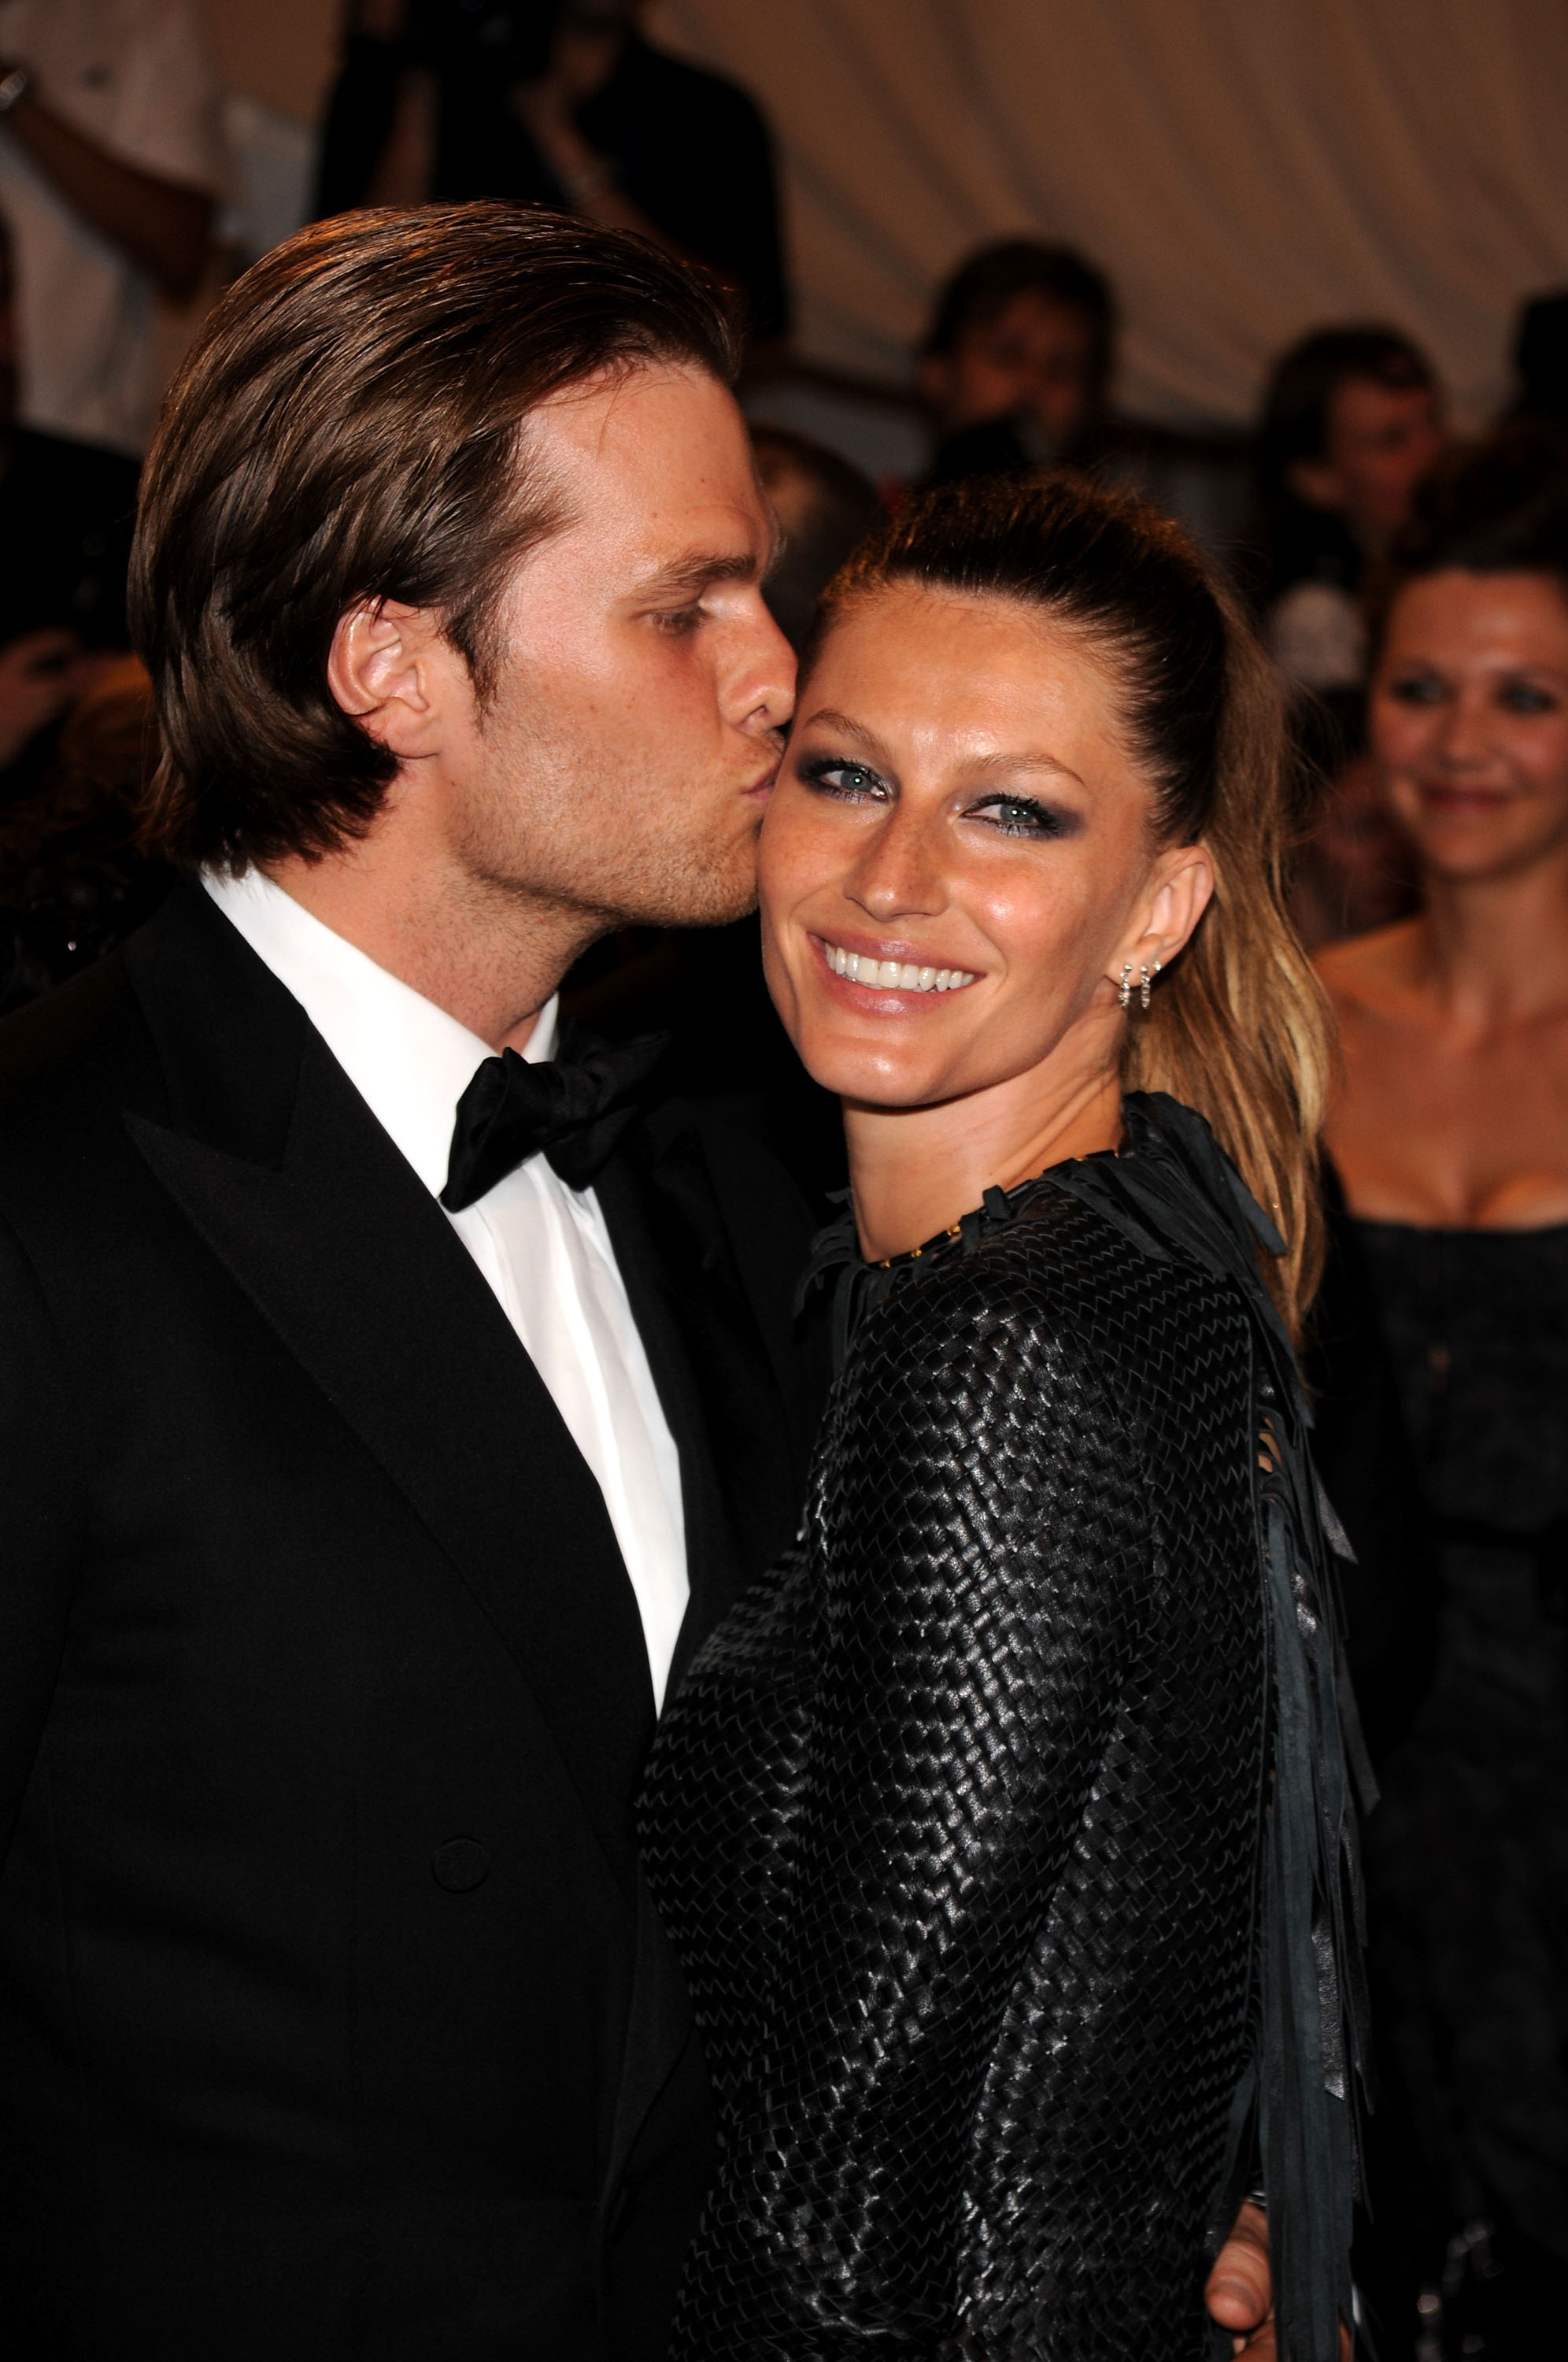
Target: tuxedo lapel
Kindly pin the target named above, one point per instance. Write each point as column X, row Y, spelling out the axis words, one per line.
column 718, row 1376
column 279, row 1165
column 738, row 1423
column 711, row 1547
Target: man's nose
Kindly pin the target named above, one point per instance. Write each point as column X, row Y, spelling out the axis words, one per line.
column 762, row 686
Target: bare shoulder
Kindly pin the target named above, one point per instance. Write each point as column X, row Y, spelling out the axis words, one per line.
column 1371, row 974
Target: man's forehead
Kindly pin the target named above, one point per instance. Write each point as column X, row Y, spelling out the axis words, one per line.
column 665, row 419
column 664, row 469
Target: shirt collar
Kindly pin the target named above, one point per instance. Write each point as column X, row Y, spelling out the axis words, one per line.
column 409, row 1061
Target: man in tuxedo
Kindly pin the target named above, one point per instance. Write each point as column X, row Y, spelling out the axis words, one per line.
column 393, row 1389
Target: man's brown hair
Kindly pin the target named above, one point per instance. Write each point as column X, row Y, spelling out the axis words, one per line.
column 346, row 428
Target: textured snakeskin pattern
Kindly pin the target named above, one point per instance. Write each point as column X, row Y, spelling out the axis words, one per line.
column 956, row 1824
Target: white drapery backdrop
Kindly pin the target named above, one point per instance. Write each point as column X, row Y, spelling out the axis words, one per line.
column 1245, row 169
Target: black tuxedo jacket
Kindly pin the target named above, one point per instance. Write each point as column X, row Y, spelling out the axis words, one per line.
column 334, row 2017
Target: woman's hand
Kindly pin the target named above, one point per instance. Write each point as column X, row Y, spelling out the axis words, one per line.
column 1240, row 2290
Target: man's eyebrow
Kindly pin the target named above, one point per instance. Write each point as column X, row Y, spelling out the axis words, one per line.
column 695, row 569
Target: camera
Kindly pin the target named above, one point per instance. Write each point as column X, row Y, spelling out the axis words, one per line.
column 500, row 41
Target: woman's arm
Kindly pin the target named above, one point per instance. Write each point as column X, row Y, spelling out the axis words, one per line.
column 161, row 223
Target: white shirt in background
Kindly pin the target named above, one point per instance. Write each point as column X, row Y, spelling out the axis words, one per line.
column 544, row 1248
column 135, row 77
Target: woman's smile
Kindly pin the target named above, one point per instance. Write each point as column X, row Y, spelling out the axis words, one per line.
column 950, row 810
column 883, row 975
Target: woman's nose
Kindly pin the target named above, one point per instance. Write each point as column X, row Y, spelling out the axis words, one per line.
column 897, row 874
column 1465, row 735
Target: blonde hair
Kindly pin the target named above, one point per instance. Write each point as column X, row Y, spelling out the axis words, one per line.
column 1238, row 1028
column 1241, row 1031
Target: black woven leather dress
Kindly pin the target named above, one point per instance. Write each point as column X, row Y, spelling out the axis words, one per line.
column 1002, row 1830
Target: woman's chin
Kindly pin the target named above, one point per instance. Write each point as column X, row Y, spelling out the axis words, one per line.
column 875, row 1079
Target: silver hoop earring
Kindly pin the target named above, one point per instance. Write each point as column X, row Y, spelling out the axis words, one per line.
column 1124, row 992
column 1146, row 984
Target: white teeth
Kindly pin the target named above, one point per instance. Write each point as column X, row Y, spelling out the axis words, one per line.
column 894, row 976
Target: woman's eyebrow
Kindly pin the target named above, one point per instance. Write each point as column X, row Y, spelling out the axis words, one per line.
column 827, row 717
column 1027, row 762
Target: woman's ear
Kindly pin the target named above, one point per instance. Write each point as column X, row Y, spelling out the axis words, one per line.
column 1181, row 897
column 1183, row 884
column 385, row 668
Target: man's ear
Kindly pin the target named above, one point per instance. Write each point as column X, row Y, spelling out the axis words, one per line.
column 390, row 668
column 1316, row 482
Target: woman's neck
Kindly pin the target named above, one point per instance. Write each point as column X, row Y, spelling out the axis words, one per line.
column 915, row 1171
column 1496, row 949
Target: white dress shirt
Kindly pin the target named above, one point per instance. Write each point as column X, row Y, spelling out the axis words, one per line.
column 544, row 1248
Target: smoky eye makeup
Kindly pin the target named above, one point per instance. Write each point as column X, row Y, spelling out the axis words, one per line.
column 1022, row 816
column 841, row 776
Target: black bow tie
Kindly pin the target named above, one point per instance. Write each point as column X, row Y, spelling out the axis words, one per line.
column 574, row 1108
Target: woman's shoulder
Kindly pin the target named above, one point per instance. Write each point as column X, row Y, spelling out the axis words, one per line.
column 1067, row 1267
column 1372, row 973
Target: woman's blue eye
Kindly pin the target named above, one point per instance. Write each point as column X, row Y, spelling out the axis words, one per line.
column 841, row 777
column 1018, row 816
column 1417, row 689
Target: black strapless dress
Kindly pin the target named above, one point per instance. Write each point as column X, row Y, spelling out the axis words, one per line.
column 1467, row 1857
column 1003, row 1831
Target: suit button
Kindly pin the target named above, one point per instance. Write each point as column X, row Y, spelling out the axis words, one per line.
column 460, row 1865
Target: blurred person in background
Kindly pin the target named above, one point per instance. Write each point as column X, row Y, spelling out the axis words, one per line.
column 1352, row 421
column 1541, row 359
column 66, row 514
column 1450, row 1139
column 825, row 507
column 111, row 159
column 1016, row 365
column 561, row 103
column 1354, row 865
column 73, row 883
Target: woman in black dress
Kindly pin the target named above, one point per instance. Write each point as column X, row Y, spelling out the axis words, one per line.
column 1450, row 1136
column 1003, row 1832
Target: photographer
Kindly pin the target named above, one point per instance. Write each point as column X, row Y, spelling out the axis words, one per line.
column 111, row 162
column 66, row 511
column 561, row 103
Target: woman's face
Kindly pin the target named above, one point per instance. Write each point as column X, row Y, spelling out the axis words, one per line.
column 1470, row 720
column 957, row 860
